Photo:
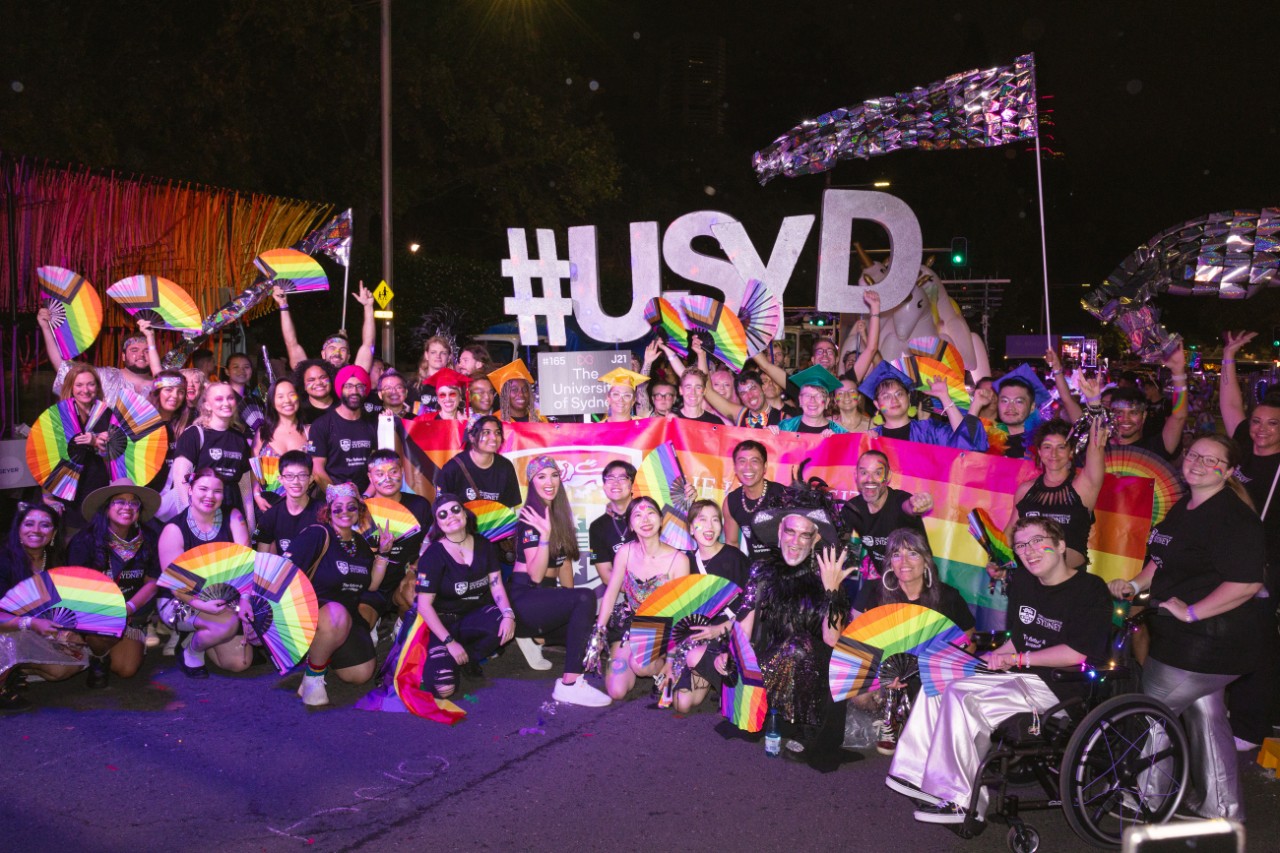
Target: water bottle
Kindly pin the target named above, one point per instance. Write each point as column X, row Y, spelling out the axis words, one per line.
column 772, row 738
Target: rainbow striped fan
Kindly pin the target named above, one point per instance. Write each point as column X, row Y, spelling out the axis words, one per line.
column 48, row 456
column 657, row 621
column 294, row 271
column 1130, row 461
column 73, row 598
column 137, row 441
column 266, row 470
column 940, row 351
column 160, row 301
column 991, row 538
column 742, row 695
column 760, row 315
column 75, row 310
column 660, row 477
column 879, row 634
column 728, row 338
column 388, row 513
column 494, row 521
column 669, row 322
column 941, row 662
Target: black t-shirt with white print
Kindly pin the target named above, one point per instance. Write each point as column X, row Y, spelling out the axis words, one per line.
column 1075, row 613
column 345, row 447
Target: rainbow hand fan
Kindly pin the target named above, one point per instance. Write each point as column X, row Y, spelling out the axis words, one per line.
column 158, row 300
column 669, row 322
column 761, row 316
column 742, row 696
column 655, row 622
column 72, row 597
column 49, row 443
column 1130, row 461
column 942, row 662
column 659, row 477
column 940, row 351
column 212, row 571
column 75, row 311
column 388, row 513
column 266, row 470
column 137, row 442
column 728, row 338
column 991, row 538
column 285, row 609
column 876, row 635
column 494, row 521
column 294, row 271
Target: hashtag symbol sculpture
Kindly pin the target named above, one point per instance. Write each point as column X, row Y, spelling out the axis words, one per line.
column 552, row 304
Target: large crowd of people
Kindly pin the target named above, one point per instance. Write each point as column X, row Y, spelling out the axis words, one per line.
column 807, row 565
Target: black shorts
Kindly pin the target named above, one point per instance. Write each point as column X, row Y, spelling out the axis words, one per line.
column 358, row 647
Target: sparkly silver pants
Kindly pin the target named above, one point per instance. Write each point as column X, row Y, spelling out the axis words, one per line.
column 1198, row 698
column 948, row 735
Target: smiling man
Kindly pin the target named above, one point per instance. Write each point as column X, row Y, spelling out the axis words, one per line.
column 342, row 440
column 610, row 531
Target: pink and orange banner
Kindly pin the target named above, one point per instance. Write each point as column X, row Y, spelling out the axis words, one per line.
column 959, row 482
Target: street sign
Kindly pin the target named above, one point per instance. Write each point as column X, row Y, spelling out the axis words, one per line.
column 384, row 315
column 383, row 294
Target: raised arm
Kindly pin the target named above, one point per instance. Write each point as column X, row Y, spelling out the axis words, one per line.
column 1177, row 420
column 1088, row 483
column 295, row 351
column 1069, row 403
column 368, row 329
column 153, row 355
column 768, row 368
column 868, row 355
column 725, row 407
column 50, row 342
column 1230, row 399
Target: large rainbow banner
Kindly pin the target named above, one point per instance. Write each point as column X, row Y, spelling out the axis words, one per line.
column 959, row 481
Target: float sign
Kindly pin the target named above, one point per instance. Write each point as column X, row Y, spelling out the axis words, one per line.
column 569, row 382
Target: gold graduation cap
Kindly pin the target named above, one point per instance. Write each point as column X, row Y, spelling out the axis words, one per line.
column 504, row 374
column 624, row 376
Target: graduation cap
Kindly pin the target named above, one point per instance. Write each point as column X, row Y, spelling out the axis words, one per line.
column 504, row 374
column 882, row 371
column 818, row 376
column 624, row 376
column 447, row 377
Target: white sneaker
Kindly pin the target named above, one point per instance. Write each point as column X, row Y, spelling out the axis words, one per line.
column 580, row 693
column 312, row 690
column 153, row 638
column 533, row 654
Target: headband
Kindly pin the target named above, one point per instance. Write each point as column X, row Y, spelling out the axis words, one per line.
column 124, row 345
column 341, row 490
column 168, row 382
column 537, row 464
column 338, row 340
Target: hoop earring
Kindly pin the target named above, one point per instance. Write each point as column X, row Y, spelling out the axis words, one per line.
column 884, row 581
column 928, row 578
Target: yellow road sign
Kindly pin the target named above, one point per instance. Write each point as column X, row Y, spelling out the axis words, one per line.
column 383, row 294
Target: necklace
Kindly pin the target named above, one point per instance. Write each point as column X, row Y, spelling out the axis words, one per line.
column 44, row 558
column 126, row 549
column 620, row 531
column 348, row 545
column 200, row 534
column 742, row 498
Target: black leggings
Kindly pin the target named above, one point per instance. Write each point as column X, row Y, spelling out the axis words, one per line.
column 558, row 615
column 477, row 631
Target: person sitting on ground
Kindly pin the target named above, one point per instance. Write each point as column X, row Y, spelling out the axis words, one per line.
column 336, row 349
column 546, row 537
column 460, row 597
column 212, row 624
column 908, row 576
column 31, row 644
column 288, row 517
column 640, row 566
column 342, row 567
column 116, row 544
column 611, row 531
column 341, row 439
column 890, row 388
column 1067, row 622
column 386, row 481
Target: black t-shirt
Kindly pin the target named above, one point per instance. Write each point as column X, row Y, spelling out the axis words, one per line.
column 728, row 563
column 875, row 527
column 1015, row 445
column 806, row 429
column 951, row 603
column 371, row 407
column 902, row 433
column 607, row 534
column 496, row 483
column 742, row 510
column 226, row 451
column 528, row 538
column 309, row 413
column 1258, row 473
column 345, row 447
column 277, row 526
column 706, row 417
column 339, row 573
column 1195, row 550
column 424, row 395
column 129, row 576
column 405, row 551
column 458, row 589
column 1074, row 613
column 1154, row 443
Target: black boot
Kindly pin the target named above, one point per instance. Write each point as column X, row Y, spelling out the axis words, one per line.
column 99, row 672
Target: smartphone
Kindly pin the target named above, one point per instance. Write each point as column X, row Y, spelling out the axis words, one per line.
column 1200, row 836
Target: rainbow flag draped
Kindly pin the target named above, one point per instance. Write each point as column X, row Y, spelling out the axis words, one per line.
column 958, row 481
column 400, row 686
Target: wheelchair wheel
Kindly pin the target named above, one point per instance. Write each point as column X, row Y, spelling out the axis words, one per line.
column 1126, row 764
column 1023, row 839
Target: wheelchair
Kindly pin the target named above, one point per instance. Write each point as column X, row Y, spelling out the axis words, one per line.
column 1110, row 759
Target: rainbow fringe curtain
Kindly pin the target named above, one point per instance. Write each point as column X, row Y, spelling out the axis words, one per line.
column 109, row 226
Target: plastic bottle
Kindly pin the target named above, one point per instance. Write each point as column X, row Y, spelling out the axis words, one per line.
column 772, row 737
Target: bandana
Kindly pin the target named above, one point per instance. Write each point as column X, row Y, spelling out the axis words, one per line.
column 341, row 490
column 131, row 340
column 537, row 464
column 169, row 382
column 334, row 341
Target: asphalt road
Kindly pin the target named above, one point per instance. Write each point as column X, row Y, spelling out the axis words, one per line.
column 236, row 763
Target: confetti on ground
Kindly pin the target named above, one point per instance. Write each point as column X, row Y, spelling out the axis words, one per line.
column 112, row 767
column 467, row 697
column 532, row 731
column 548, row 708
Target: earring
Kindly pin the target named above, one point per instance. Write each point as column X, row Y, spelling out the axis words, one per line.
column 928, row 578
column 884, row 581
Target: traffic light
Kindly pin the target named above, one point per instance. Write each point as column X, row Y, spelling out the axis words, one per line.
column 1275, row 337
column 959, row 251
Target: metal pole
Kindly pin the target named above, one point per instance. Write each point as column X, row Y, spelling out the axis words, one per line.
column 388, row 339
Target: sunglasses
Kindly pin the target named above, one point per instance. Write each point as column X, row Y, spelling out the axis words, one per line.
column 345, row 508
column 451, row 509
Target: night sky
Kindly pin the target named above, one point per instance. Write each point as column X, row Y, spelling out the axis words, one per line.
column 1160, row 112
